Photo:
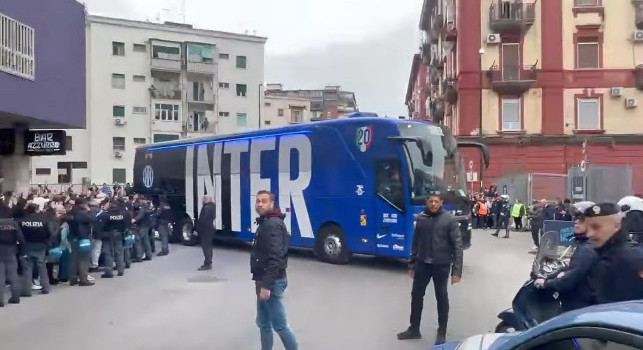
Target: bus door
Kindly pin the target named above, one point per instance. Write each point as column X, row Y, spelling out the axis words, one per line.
column 389, row 184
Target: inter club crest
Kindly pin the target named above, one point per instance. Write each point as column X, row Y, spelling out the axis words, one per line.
column 364, row 137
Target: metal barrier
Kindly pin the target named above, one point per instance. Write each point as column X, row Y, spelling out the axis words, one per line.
column 601, row 183
column 527, row 187
column 58, row 188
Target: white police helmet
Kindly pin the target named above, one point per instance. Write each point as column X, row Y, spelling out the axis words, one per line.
column 580, row 207
column 628, row 203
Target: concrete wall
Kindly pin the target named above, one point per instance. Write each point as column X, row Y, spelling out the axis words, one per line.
column 271, row 113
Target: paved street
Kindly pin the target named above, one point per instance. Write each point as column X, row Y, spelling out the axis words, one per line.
column 167, row 304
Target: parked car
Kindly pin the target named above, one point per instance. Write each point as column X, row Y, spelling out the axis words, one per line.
column 617, row 326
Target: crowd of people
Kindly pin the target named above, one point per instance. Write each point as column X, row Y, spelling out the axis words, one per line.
column 49, row 238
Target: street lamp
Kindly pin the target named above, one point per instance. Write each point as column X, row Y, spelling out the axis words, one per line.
column 481, row 53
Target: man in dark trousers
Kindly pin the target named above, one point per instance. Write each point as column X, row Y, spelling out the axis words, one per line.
column 436, row 251
column 618, row 273
column 504, row 211
column 115, row 220
column 268, row 263
column 205, row 229
column 164, row 217
column 10, row 237
column 80, row 227
column 143, row 221
column 38, row 235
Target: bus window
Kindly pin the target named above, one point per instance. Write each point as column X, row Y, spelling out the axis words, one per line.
column 388, row 181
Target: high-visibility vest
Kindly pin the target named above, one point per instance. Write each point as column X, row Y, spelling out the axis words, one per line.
column 515, row 211
column 482, row 208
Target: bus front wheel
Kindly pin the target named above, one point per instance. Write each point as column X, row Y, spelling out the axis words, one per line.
column 186, row 229
column 331, row 245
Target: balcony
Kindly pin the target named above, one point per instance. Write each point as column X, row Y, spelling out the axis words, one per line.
column 437, row 63
column 165, row 93
column 512, row 79
column 638, row 9
column 638, row 76
column 450, row 32
column 200, row 58
column 437, row 111
column 166, row 56
column 426, row 53
column 449, row 91
column 511, row 17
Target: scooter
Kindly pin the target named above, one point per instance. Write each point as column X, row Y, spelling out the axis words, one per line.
column 532, row 305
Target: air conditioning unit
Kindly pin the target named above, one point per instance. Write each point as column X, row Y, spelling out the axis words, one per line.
column 120, row 121
column 638, row 35
column 630, row 103
column 616, row 91
column 118, row 154
column 493, row 38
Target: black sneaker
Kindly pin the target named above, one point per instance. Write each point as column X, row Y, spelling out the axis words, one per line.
column 107, row 275
column 440, row 337
column 14, row 301
column 162, row 254
column 86, row 284
column 120, row 274
column 204, row 268
column 95, row 269
column 1, row 304
column 409, row 334
column 44, row 292
column 147, row 258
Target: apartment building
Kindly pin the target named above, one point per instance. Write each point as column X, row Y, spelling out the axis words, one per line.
column 417, row 90
column 150, row 82
column 327, row 103
column 546, row 84
column 285, row 110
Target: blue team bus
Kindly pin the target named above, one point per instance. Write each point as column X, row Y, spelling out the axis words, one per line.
column 349, row 185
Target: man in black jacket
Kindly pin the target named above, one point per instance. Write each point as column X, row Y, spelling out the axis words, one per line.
column 38, row 234
column 205, row 229
column 618, row 273
column 504, row 212
column 80, row 227
column 571, row 282
column 143, row 221
column 268, row 263
column 10, row 237
column 436, row 250
column 164, row 217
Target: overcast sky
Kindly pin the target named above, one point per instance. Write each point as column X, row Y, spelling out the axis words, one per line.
column 363, row 45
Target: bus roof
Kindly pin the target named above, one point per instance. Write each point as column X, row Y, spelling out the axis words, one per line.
column 352, row 118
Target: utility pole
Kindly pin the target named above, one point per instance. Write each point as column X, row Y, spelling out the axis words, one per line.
column 481, row 52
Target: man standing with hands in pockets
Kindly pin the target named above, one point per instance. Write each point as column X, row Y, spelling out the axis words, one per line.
column 268, row 263
column 436, row 252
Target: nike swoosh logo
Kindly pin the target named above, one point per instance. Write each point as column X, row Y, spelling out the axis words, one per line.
column 380, row 236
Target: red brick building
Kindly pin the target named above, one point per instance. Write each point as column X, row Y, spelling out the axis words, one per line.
column 536, row 79
column 416, row 93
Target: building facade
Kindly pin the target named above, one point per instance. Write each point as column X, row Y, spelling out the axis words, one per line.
column 285, row 110
column 416, row 92
column 42, row 79
column 327, row 103
column 150, row 82
column 535, row 80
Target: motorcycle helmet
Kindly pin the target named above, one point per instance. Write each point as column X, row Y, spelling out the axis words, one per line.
column 628, row 203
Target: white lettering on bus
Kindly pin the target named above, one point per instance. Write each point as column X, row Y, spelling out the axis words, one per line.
column 293, row 189
column 258, row 183
column 290, row 191
column 234, row 149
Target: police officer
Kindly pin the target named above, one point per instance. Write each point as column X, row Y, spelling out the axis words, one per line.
column 571, row 282
column 80, row 227
column 116, row 220
column 504, row 209
column 632, row 206
column 618, row 273
column 10, row 237
column 142, row 221
column 164, row 217
column 38, row 234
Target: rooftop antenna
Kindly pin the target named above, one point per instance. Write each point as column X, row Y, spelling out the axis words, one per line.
column 183, row 10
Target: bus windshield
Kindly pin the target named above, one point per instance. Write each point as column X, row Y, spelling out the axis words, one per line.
column 434, row 164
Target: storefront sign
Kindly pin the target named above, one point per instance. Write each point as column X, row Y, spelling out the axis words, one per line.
column 45, row 142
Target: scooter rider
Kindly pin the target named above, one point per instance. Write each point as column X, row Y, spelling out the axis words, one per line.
column 618, row 274
column 571, row 282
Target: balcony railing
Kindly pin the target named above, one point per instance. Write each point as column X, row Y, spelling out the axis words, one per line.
column 438, row 63
column 426, row 53
column 638, row 76
column 437, row 111
column 638, row 13
column 511, row 16
column 512, row 79
column 437, row 21
column 165, row 93
column 201, row 67
column 172, row 64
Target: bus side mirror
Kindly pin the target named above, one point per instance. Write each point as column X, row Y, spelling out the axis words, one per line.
column 481, row 146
